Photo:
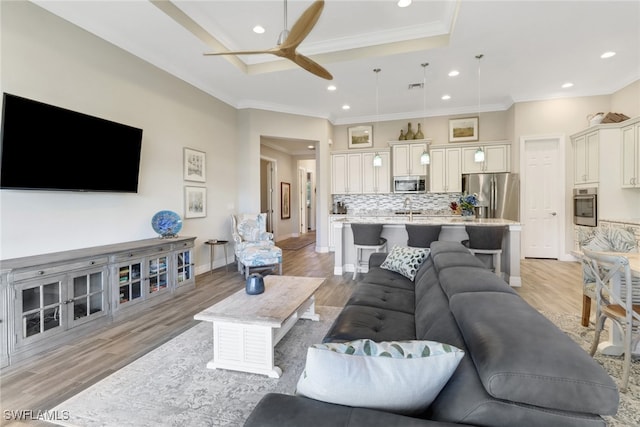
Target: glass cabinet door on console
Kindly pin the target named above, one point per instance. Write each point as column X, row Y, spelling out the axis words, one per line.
column 158, row 274
column 88, row 297
column 129, row 283
column 50, row 305
column 184, row 268
column 39, row 307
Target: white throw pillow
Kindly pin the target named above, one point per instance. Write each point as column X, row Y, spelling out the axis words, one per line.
column 397, row 376
column 405, row 260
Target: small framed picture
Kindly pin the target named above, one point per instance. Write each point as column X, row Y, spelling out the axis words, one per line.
column 194, row 165
column 195, row 202
column 285, row 200
column 463, row 130
column 360, row 136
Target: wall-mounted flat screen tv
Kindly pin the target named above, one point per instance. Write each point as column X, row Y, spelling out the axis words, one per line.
column 45, row 147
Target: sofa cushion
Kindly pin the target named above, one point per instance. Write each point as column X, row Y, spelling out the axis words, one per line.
column 283, row 410
column 397, row 376
column 383, row 297
column 446, row 260
column 384, row 277
column 359, row 321
column 405, row 261
column 522, row 357
column 443, row 246
column 456, row 280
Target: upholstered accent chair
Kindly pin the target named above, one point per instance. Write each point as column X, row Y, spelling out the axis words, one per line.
column 603, row 239
column 254, row 245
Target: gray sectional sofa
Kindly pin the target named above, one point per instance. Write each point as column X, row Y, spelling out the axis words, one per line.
column 518, row 369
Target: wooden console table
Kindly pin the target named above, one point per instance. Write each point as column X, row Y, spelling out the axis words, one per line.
column 246, row 328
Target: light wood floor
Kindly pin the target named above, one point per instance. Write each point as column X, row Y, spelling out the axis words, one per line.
column 47, row 380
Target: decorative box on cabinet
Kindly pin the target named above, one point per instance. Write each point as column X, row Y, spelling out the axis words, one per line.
column 376, row 179
column 406, row 157
column 630, row 151
column 49, row 299
column 445, row 176
column 496, row 159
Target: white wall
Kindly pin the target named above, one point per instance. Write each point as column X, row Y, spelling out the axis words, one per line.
column 50, row 60
column 284, row 228
column 253, row 125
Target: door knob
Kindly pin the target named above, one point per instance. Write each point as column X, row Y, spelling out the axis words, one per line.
column 553, row 213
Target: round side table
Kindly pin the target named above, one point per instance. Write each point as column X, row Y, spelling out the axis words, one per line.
column 212, row 244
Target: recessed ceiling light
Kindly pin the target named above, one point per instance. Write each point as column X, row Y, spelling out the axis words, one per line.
column 607, row 55
column 567, row 85
column 331, row 88
column 453, row 73
column 345, row 107
column 445, row 97
column 258, row 29
column 404, row 3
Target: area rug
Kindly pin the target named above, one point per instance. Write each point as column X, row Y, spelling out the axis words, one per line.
column 295, row 243
column 170, row 386
column 629, row 409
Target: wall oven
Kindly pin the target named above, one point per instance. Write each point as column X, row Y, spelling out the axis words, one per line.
column 409, row 184
column 585, row 206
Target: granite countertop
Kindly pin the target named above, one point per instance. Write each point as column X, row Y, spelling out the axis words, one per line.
column 632, row 221
column 424, row 219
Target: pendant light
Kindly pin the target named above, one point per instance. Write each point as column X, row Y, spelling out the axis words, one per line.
column 478, row 157
column 425, row 159
column 377, row 159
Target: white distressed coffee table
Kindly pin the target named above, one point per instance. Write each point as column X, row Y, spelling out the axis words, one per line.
column 246, row 328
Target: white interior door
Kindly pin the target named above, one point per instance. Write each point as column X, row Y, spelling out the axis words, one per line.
column 543, row 193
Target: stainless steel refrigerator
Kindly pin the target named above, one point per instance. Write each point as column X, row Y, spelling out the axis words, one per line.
column 498, row 194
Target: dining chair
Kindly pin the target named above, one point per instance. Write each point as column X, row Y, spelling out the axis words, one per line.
column 615, row 302
column 602, row 239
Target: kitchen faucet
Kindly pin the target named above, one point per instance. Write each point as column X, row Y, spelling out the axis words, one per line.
column 407, row 201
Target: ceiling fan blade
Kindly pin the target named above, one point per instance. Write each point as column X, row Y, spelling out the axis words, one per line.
column 311, row 66
column 303, row 25
column 241, row 52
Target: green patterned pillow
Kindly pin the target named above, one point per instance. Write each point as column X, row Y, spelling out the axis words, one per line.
column 397, row 376
column 405, row 260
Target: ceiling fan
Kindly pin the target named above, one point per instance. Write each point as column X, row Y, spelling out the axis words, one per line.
column 289, row 40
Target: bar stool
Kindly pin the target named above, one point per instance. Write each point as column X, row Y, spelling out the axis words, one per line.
column 487, row 240
column 366, row 236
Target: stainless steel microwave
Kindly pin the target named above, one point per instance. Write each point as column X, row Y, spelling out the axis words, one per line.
column 410, row 184
column 585, row 206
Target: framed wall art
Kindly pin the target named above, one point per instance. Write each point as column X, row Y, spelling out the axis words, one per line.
column 195, row 202
column 360, row 136
column 285, row 200
column 194, row 165
column 463, row 130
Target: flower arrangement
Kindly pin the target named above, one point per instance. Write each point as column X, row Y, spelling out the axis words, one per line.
column 465, row 204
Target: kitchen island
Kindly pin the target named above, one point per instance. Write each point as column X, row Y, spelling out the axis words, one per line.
column 453, row 229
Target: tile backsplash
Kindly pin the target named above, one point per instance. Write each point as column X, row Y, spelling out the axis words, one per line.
column 365, row 203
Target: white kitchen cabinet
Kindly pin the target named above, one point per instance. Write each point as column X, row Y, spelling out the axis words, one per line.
column 346, row 173
column 630, row 160
column 376, row 179
column 445, row 176
column 496, row 159
column 585, row 158
column 406, row 158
